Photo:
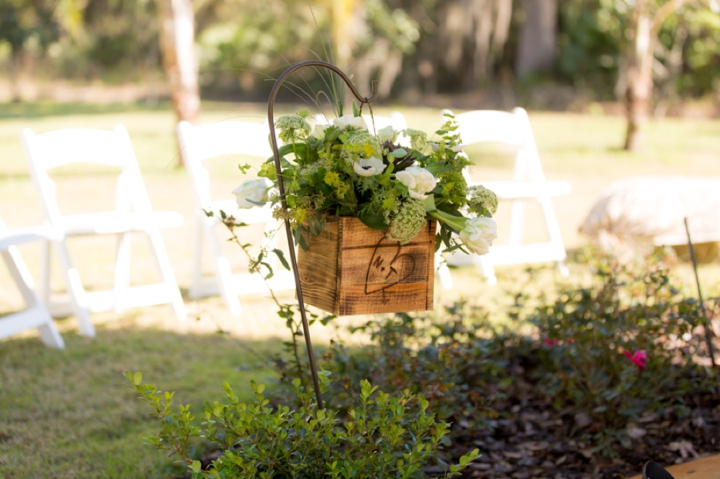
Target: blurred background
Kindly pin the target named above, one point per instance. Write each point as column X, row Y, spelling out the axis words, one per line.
column 541, row 54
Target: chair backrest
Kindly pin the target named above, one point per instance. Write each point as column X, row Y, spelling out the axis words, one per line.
column 71, row 146
column 490, row 126
column 200, row 143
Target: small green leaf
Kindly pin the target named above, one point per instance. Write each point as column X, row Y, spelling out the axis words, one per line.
column 196, row 466
column 372, row 219
column 281, row 257
column 137, row 378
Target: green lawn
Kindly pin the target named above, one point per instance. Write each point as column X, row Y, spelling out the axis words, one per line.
column 69, row 414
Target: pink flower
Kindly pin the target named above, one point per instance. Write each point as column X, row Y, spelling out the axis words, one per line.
column 551, row 342
column 638, row 358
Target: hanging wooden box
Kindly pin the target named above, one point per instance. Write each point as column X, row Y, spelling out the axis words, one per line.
column 352, row 269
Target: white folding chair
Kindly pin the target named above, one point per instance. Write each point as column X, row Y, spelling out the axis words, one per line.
column 35, row 314
column 133, row 213
column 198, row 144
column 528, row 184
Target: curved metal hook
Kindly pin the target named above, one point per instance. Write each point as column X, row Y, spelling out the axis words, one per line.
column 281, row 187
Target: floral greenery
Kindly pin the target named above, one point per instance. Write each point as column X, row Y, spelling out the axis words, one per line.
column 611, row 352
column 391, row 180
column 383, row 436
column 621, row 348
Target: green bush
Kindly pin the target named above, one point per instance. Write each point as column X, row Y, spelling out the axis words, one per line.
column 621, row 347
column 382, row 436
column 611, row 351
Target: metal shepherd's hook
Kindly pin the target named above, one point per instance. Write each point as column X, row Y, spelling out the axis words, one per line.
column 281, row 187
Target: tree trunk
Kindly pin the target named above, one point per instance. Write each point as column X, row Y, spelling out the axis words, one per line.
column 177, row 41
column 639, row 75
column 538, row 37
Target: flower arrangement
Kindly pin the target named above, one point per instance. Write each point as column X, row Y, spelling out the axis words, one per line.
column 391, row 180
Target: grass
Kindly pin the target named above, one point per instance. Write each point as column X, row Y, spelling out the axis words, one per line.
column 68, row 414
column 71, row 414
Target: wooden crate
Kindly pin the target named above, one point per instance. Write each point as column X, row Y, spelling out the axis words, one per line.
column 352, row 269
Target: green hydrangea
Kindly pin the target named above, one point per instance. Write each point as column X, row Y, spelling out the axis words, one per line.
column 482, row 201
column 408, row 222
column 362, row 144
column 418, row 139
column 293, row 128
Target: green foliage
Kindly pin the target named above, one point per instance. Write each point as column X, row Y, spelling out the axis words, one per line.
column 391, row 180
column 383, row 436
column 591, row 333
column 22, row 22
column 613, row 350
column 590, row 41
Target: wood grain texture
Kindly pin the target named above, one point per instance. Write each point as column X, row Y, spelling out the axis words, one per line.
column 352, row 269
column 318, row 268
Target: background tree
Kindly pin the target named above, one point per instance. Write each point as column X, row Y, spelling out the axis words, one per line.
column 538, row 37
column 26, row 25
column 177, row 41
column 646, row 20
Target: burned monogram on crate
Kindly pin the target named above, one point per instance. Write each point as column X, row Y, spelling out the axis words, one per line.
column 388, row 266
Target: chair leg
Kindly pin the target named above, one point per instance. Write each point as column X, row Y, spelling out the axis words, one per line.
column 564, row 271
column 486, row 269
column 45, row 259
column 78, row 298
column 553, row 228
column 196, row 275
column 166, row 273
column 122, row 272
column 443, row 271
column 48, row 333
column 223, row 273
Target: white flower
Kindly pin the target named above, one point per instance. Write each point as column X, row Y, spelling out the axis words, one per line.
column 387, row 134
column 418, row 180
column 252, row 193
column 350, row 121
column 458, row 148
column 319, row 132
column 369, row 166
column 478, row 234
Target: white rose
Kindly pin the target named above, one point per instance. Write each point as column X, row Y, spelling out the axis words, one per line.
column 478, row 234
column 346, row 121
column 319, row 132
column 418, row 180
column 387, row 134
column 369, row 166
column 252, row 193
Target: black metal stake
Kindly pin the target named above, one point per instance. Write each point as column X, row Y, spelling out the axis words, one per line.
column 281, row 187
column 708, row 333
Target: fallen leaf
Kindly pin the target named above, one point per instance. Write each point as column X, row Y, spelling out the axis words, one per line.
column 583, row 420
column 635, row 432
column 685, row 448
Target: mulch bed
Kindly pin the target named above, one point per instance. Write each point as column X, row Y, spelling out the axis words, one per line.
column 532, row 440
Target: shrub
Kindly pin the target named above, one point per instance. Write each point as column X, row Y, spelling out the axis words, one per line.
column 382, row 436
column 621, row 347
column 613, row 350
